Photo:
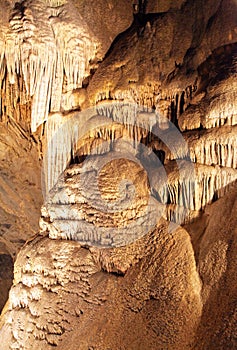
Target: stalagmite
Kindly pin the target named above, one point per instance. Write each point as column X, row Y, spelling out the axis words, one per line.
column 156, row 151
column 71, row 214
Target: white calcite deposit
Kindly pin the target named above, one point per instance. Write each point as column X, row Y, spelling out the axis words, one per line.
column 46, row 48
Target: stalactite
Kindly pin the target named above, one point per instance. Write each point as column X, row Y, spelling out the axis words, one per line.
column 184, row 194
column 214, row 147
column 45, row 54
column 60, row 138
column 188, row 194
column 41, row 70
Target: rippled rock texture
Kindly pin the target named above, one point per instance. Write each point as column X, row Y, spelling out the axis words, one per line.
column 122, row 116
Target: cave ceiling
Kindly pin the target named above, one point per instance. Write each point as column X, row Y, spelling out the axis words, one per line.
column 118, row 124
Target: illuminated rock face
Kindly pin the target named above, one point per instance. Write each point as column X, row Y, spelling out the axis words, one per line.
column 47, row 50
column 143, row 136
column 61, row 286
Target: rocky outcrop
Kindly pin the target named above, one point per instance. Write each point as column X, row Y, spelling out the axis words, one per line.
column 63, row 295
column 20, row 197
column 106, row 19
column 216, row 261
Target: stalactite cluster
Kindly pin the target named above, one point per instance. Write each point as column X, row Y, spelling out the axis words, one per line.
column 45, row 52
column 138, row 154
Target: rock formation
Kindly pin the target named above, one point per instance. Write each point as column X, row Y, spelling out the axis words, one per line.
column 118, row 121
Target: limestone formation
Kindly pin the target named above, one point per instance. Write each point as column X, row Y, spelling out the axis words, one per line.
column 60, row 287
column 118, row 174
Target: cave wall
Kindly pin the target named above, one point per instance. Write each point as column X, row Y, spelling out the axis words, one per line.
column 169, row 62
